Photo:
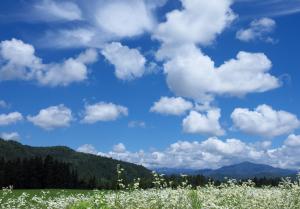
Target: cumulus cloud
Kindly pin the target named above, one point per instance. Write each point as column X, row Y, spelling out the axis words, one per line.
column 124, row 18
column 89, row 56
column 211, row 153
column 52, row 10
column 101, row 21
column 103, row 112
column 292, row 141
column 192, row 74
column 19, row 62
column 197, row 123
column 194, row 18
column 52, row 117
column 10, row 136
column 258, row 30
column 119, row 148
column 171, row 106
column 264, row 121
column 70, row 71
column 129, row 63
column 87, row 148
column 104, row 21
column 10, row 118
column 287, row 156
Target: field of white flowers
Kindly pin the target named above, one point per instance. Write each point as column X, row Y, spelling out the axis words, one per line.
column 229, row 195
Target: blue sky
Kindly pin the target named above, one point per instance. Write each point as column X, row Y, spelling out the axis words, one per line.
column 188, row 83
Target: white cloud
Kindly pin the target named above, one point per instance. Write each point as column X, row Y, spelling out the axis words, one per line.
column 10, row 118
column 124, row 18
column 119, row 148
column 120, row 152
column 19, row 62
column 72, row 38
column 192, row 74
column 63, row 74
column 89, row 56
column 171, row 106
column 103, row 112
column 211, row 153
column 264, row 121
column 259, row 30
column 87, row 148
column 102, row 22
column 197, row 123
column 52, row 10
column 52, row 117
column 198, row 22
column 293, row 141
column 10, row 136
column 70, row 71
column 229, row 147
column 287, row 156
column 3, row 104
column 136, row 124
column 105, row 21
column 129, row 63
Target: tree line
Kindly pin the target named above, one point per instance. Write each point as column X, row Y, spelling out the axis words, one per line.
column 200, row 180
column 48, row 173
column 40, row 173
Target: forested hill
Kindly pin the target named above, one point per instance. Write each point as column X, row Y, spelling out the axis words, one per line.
column 87, row 165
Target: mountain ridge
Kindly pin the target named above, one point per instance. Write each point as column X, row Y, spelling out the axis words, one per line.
column 87, row 165
column 243, row 170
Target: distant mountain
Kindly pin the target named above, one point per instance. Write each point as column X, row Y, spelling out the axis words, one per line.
column 243, row 170
column 87, row 165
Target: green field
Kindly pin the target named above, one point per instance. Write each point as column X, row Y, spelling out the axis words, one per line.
column 230, row 195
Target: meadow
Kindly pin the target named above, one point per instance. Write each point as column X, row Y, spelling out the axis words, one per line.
column 229, row 195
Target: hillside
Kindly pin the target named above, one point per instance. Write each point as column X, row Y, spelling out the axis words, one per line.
column 87, row 165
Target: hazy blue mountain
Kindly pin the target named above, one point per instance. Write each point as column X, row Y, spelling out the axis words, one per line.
column 243, row 170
